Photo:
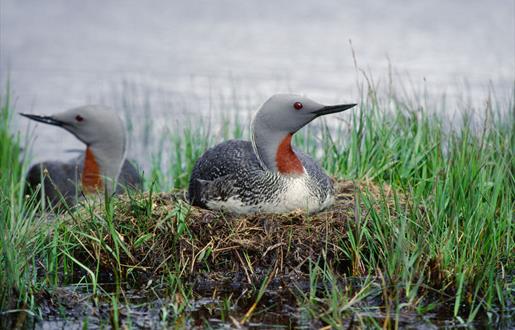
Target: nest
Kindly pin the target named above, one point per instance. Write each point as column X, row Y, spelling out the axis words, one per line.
column 155, row 233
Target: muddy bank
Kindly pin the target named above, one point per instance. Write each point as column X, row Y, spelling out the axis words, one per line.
column 160, row 263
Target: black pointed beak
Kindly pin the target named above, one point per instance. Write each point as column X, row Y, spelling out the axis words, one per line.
column 43, row 119
column 333, row 109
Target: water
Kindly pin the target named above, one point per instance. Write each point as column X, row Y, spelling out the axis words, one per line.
column 62, row 54
column 74, row 307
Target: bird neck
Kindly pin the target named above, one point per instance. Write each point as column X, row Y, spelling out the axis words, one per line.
column 286, row 160
column 102, row 165
column 275, row 152
column 91, row 176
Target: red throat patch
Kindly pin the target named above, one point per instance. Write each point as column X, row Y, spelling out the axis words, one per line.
column 286, row 160
column 91, row 179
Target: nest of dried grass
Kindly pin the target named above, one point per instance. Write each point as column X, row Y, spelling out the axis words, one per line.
column 160, row 232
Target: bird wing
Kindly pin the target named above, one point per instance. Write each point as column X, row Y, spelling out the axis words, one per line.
column 57, row 181
column 226, row 161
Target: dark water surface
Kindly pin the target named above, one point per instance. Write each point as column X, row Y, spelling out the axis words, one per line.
column 222, row 306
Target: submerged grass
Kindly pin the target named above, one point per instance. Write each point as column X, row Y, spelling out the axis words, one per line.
column 423, row 224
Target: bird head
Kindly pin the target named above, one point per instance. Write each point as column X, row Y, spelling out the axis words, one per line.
column 91, row 124
column 288, row 112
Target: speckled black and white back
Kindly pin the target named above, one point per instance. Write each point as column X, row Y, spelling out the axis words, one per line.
column 230, row 177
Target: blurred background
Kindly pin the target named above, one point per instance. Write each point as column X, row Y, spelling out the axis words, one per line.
column 166, row 62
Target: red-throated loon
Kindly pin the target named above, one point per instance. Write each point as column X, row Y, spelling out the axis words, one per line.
column 102, row 167
column 266, row 175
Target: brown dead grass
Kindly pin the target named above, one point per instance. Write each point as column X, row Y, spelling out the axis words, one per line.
column 220, row 243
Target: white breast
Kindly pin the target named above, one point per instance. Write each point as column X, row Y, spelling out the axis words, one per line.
column 295, row 196
column 299, row 197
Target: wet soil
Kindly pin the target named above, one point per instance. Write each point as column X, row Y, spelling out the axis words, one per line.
column 219, row 305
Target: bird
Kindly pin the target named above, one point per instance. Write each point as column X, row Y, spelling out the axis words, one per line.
column 266, row 174
column 102, row 167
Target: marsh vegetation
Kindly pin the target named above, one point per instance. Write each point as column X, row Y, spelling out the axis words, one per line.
column 421, row 234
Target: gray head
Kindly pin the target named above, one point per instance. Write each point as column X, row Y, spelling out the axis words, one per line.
column 288, row 112
column 100, row 128
column 280, row 117
column 92, row 124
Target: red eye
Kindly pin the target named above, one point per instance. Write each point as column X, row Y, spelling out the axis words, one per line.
column 79, row 118
column 297, row 105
